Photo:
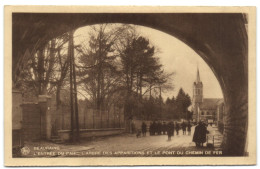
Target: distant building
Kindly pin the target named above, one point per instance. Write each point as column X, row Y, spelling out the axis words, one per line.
column 205, row 109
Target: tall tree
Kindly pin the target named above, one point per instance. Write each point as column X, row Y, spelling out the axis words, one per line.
column 183, row 101
column 61, row 66
column 99, row 73
column 45, row 70
column 142, row 70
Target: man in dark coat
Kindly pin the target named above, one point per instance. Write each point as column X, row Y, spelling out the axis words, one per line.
column 199, row 136
column 151, row 129
column 164, row 127
column 177, row 128
column 159, row 128
column 183, row 126
column 155, row 125
column 189, row 128
column 144, row 128
column 170, row 130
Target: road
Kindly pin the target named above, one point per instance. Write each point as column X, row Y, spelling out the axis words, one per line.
column 127, row 145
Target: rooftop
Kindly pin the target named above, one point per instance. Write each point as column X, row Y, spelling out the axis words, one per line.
column 211, row 103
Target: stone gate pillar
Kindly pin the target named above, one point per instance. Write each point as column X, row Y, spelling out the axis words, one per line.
column 45, row 103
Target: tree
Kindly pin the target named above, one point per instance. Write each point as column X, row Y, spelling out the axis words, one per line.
column 189, row 115
column 168, row 101
column 183, row 101
column 151, row 109
column 171, row 109
column 45, row 69
column 141, row 69
column 99, row 74
column 62, row 66
column 116, row 59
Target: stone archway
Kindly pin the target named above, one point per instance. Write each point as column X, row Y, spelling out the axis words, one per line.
column 220, row 39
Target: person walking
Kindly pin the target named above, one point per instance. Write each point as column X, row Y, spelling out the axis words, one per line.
column 164, row 127
column 170, row 130
column 183, row 126
column 144, row 129
column 200, row 133
column 151, row 129
column 159, row 128
column 155, row 127
column 177, row 128
column 172, row 125
column 189, row 128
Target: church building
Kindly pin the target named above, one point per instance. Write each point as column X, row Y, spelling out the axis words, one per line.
column 204, row 109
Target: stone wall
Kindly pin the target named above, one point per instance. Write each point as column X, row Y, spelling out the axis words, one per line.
column 31, row 122
column 17, row 101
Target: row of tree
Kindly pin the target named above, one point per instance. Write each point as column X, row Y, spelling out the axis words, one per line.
column 116, row 60
column 155, row 108
column 114, row 66
column 44, row 70
column 177, row 108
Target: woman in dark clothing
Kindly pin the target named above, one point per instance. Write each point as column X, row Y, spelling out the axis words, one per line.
column 189, row 128
column 170, row 130
column 144, row 129
column 151, row 129
column 183, row 126
column 164, row 128
column 199, row 136
column 159, row 128
column 155, row 125
column 177, row 129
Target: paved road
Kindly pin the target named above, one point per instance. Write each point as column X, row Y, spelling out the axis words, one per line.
column 157, row 142
column 129, row 142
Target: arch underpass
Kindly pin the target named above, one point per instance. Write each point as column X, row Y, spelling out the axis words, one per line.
column 220, row 39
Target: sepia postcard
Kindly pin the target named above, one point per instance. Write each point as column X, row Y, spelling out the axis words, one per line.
column 130, row 86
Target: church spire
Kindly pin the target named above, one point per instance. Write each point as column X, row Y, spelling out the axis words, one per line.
column 198, row 75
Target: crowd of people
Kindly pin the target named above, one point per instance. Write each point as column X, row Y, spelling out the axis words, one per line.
column 159, row 128
column 171, row 128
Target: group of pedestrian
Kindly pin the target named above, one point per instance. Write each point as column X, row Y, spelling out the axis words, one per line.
column 186, row 127
column 171, row 127
column 157, row 128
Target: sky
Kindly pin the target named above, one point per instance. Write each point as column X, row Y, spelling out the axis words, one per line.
column 178, row 57
column 175, row 56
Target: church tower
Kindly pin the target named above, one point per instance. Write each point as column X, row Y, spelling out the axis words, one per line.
column 197, row 97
